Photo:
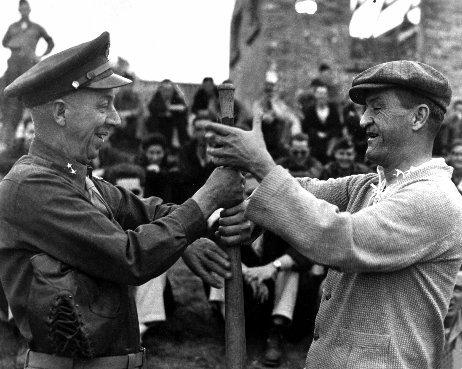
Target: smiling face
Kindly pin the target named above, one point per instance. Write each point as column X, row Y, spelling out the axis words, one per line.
column 388, row 128
column 89, row 117
column 299, row 151
column 345, row 157
column 155, row 154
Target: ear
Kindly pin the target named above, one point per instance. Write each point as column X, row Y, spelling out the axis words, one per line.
column 59, row 112
column 421, row 115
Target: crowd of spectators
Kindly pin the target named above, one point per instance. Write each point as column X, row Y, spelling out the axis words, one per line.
column 158, row 150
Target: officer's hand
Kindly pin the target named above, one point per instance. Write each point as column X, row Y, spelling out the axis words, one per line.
column 234, row 228
column 234, row 147
column 223, row 189
column 208, row 261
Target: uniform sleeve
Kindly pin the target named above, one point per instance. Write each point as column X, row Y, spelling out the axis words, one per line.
column 395, row 233
column 66, row 226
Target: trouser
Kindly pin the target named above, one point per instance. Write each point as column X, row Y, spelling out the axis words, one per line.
column 38, row 360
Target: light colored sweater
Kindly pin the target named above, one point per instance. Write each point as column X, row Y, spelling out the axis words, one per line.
column 393, row 261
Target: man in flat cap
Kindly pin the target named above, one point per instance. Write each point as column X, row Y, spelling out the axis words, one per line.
column 391, row 240
column 72, row 243
column 21, row 38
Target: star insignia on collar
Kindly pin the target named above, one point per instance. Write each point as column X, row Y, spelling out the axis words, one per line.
column 71, row 170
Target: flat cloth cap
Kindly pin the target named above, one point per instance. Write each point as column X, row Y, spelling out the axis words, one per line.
column 409, row 75
column 82, row 66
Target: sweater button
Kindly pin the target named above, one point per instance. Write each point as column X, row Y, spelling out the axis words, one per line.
column 328, row 296
column 315, row 336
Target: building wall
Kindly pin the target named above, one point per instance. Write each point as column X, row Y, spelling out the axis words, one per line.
column 297, row 43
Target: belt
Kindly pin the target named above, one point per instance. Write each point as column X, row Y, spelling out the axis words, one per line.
column 46, row 361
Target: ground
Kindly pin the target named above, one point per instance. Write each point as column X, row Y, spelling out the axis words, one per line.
column 192, row 338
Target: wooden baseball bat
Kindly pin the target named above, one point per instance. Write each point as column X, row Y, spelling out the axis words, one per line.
column 234, row 297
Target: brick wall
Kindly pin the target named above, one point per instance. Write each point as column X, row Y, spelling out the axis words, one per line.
column 298, row 43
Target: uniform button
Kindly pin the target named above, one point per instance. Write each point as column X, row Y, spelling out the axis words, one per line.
column 328, row 296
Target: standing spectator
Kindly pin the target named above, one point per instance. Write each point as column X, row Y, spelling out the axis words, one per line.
column 452, row 357
column 194, row 164
column 274, row 109
column 450, row 130
column 168, row 110
column 345, row 162
column 21, row 38
column 353, row 131
column 327, row 78
column 300, row 163
column 157, row 169
column 454, row 159
column 206, row 101
column 322, row 124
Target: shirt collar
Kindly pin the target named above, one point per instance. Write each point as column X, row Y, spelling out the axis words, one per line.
column 56, row 159
column 413, row 172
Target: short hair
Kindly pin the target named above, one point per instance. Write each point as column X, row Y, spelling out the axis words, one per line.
column 409, row 99
column 124, row 170
column 23, row 2
column 154, row 139
column 299, row 137
column 343, row 144
column 207, row 79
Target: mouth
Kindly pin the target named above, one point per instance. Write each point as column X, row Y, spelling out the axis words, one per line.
column 102, row 135
column 371, row 134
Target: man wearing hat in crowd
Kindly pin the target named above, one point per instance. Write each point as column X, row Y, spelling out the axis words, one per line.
column 391, row 240
column 72, row 243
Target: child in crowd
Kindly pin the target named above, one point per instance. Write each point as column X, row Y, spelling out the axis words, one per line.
column 345, row 163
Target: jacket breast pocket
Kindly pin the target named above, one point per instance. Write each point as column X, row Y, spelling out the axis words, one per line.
column 366, row 350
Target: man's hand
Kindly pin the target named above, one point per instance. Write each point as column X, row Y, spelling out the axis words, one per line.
column 234, row 147
column 263, row 273
column 223, row 189
column 234, row 228
column 208, row 261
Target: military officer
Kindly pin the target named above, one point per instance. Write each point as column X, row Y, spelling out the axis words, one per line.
column 72, row 243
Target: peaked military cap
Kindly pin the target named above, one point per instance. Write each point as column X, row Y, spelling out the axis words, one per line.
column 82, row 66
column 409, row 75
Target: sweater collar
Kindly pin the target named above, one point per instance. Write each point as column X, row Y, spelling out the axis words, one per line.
column 57, row 160
column 414, row 172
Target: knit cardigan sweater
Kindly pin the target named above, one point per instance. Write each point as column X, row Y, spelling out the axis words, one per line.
column 393, row 258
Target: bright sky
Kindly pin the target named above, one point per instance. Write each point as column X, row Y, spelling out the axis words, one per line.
column 183, row 40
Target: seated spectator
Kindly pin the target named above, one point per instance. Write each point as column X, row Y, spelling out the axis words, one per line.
column 168, row 111
column 280, row 290
column 344, row 163
column 20, row 146
column 194, row 165
column 158, row 171
column 272, row 108
column 322, row 124
column 452, row 356
column 125, row 137
column 353, row 131
column 454, row 159
column 450, row 130
column 154, row 299
column 300, row 163
column 206, row 102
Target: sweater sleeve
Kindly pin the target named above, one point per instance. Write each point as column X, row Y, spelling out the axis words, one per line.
column 407, row 228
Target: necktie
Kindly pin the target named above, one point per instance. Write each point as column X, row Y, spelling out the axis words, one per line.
column 95, row 197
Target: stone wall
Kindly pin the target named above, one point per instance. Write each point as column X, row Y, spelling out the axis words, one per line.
column 298, row 43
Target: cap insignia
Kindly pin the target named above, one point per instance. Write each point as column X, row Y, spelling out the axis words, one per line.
column 75, row 84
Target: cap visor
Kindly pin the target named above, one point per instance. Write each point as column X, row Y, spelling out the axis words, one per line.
column 111, row 81
column 359, row 93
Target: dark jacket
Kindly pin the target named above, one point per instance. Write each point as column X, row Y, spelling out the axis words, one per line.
column 65, row 266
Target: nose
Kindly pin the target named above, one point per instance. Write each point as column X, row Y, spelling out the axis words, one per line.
column 365, row 120
column 113, row 118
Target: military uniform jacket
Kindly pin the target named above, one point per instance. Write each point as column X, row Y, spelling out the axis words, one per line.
column 66, row 267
